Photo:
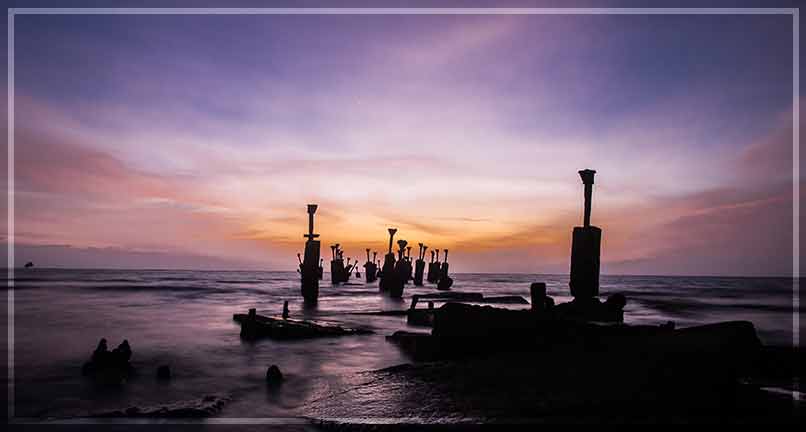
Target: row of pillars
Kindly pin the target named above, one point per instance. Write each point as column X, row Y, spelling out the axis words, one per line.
column 397, row 271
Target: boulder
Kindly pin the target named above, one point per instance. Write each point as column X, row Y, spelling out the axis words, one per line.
column 110, row 367
column 273, row 375
column 164, row 372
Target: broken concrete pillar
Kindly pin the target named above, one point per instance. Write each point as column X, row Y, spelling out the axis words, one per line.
column 401, row 271
column 538, row 296
column 370, row 270
column 419, row 266
column 585, row 249
column 321, row 269
column 388, row 274
column 310, row 265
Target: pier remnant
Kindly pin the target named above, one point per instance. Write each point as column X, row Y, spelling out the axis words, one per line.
column 445, row 282
column 435, row 269
column 431, row 272
column 333, row 264
column 310, row 264
column 585, row 249
column 540, row 301
column 254, row 326
column 338, row 274
column 389, row 278
column 401, row 270
column 409, row 266
column 419, row 265
column 370, row 269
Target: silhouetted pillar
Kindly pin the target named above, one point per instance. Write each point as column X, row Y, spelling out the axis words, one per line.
column 585, row 249
column 333, row 274
column 338, row 274
column 299, row 258
column 310, row 265
column 401, row 271
column 431, row 272
column 409, row 265
column 388, row 274
column 538, row 295
column 369, row 269
column 445, row 281
column 443, row 272
column 419, row 266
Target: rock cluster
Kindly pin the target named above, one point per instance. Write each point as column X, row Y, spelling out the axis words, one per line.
column 109, row 366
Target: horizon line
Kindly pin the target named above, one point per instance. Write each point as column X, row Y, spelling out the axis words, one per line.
column 459, row 273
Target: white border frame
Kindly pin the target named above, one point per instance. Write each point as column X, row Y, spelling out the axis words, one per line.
column 795, row 12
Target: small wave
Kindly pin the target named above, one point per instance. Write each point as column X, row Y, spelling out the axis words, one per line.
column 206, row 406
column 248, row 282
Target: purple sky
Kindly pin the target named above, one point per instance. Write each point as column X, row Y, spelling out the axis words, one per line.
column 196, row 141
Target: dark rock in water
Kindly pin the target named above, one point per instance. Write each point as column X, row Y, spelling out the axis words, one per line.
column 456, row 295
column 273, row 375
column 541, row 303
column 592, row 309
column 420, row 317
column 207, row 406
column 457, row 319
column 505, row 300
column 29, row 264
column 382, row 313
column 164, row 372
column 445, row 283
column 418, row 345
column 255, row 326
column 425, row 317
column 111, row 367
column 616, row 301
column 462, row 330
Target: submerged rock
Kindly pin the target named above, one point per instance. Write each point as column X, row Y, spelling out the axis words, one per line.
column 255, row 326
column 445, row 283
column 462, row 330
column 273, row 375
column 592, row 309
column 110, row 367
column 164, row 372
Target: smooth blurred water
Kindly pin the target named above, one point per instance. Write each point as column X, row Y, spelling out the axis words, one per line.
column 184, row 319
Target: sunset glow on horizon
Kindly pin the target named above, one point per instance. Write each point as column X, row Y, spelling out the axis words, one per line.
column 197, row 141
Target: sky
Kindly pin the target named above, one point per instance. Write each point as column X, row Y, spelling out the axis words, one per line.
column 197, row 141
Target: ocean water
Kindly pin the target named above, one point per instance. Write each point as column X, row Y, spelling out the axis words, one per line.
column 184, row 319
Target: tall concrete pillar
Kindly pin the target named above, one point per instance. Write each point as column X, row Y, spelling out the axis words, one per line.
column 310, row 264
column 585, row 248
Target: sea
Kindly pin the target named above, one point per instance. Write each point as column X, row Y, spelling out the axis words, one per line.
column 184, row 319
